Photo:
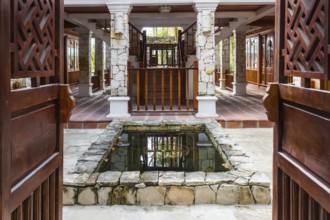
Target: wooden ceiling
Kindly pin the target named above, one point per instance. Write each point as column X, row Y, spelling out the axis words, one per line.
column 267, row 21
column 224, row 8
column 86, row 10
column 155, row 9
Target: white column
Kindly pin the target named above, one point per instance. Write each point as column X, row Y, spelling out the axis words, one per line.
column 205, row 52
column 239, row 84
column 119, row 47
column 85, row 85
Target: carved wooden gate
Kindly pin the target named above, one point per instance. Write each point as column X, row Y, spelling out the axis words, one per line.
column 301, row 171
column 31, row 43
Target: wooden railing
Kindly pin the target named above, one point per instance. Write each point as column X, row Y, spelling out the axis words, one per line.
column 217, row 76
column 229, row 81
column 72, row 77
column 107, row 77
column 96, row 82
column 263, row 78
column 186, row 43
column 252, row 76
column 163, row 89
column 137, row 43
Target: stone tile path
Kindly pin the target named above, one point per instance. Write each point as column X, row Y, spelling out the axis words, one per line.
column 196, row 212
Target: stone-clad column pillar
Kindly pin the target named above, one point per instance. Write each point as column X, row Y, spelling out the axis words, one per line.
column 224, row 61
column 99, row 60
column 107, row 57
column 239, row 84
column 85, row 85
column 205, row 52
column 119, row 47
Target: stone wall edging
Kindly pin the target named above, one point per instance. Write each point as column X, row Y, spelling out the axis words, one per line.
column 241, row 185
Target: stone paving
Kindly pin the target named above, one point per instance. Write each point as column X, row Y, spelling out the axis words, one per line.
column 194, row 212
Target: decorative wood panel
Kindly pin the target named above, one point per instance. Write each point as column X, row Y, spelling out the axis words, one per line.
column 33, row 36
column 306, row 41
column 31, row 40
column 301, row 167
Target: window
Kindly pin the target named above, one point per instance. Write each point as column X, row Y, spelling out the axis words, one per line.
column 269, row 53
column 72, row 54
column 252, row 53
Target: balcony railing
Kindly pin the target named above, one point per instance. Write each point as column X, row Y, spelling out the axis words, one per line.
column 163, row 89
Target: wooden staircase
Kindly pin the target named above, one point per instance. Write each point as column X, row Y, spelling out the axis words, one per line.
column 187, row 43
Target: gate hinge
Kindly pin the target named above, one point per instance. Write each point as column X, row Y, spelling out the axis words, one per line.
column 284, row 52
column 55, row 53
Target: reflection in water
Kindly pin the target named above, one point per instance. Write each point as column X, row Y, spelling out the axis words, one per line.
column 190, row 151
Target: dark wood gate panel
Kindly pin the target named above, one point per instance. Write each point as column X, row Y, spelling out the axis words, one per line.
column 301, row 169
column 31, row 42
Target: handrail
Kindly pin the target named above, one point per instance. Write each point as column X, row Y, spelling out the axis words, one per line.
column 184, row 48
column 140, row 45
column 190, row 26
column 135, row 28
column 165, row 68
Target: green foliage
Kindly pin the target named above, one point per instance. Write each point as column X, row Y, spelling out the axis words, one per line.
column 92, row 56
column 231, row 54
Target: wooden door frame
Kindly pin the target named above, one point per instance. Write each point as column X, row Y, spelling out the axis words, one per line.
column 50, row 166
column 298, row 163
column 5, row 128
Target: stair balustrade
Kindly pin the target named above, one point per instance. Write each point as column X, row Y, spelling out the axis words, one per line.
column 187, row 43
column 137, row 44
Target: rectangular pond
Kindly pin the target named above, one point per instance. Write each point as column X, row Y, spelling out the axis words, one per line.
column 163, row 151
column 164, row 163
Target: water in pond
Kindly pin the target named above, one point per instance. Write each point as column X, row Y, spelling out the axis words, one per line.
column 183, row 151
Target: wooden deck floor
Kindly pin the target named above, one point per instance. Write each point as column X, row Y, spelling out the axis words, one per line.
column 233, row 111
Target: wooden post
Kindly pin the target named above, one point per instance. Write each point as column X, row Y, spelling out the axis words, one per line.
column 179, row 90
column 187, row 88
column 195, row 89
column 163, row 88
column 146, row 89
column 138, row 90
column 154, row 89
column 171, row 88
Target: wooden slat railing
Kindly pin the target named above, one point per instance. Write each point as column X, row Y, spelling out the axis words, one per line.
column 107, row 77
column 229, row 81
column 163, row 89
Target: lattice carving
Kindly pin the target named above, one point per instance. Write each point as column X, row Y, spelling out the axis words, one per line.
column 306, row 39
column 33, row 35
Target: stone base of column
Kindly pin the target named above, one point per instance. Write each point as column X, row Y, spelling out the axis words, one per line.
column 222, row 84
column 85, row 90
column 206, row 107
column 118, row 107
column 239, row 89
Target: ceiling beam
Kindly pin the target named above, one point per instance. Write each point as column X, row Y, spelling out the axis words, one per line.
column 168, row 2
column 226, row 14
